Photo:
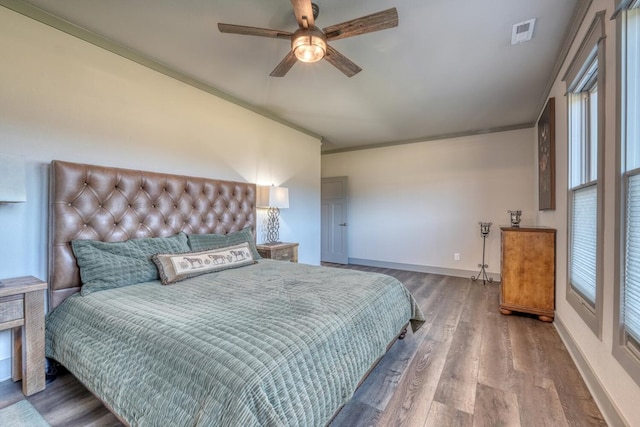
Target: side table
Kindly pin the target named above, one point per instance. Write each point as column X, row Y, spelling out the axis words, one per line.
column 22, row 311
column 280, row 251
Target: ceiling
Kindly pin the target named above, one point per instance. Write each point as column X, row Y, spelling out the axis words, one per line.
column 448, row 69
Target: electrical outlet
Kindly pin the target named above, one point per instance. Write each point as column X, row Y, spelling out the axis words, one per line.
column 456, row 256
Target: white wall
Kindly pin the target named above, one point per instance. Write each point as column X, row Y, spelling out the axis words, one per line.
column 415, row 205
column 598, row 352
column 62, row 98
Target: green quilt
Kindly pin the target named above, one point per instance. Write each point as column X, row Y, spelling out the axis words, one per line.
column 270, row 344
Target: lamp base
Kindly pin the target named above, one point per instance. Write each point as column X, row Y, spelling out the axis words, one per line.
column 273, row 225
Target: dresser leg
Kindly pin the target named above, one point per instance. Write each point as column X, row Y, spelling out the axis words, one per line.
column 546, row 319
column 505, row 311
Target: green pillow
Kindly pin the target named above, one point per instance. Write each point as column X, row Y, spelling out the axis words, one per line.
column 105, row 265
column 201, row 242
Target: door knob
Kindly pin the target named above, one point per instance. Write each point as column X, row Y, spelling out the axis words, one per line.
column 344, row 224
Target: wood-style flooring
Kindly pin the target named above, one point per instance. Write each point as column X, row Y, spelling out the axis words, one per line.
column 467, row 366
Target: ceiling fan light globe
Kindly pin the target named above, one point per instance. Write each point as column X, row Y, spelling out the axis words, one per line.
column 309, row 53
column 309, row 45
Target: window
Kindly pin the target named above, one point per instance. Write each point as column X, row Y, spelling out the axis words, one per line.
column 585, row 102
column 627, row 349
column 583, row 185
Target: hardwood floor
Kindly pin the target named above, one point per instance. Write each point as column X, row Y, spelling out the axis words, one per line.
column 467, row 366
column 471, row 366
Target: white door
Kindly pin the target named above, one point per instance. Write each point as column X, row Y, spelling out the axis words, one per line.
column 334, row 220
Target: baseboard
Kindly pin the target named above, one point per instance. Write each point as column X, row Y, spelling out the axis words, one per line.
column 609, row 410
column 5, row 369
column 421, row 268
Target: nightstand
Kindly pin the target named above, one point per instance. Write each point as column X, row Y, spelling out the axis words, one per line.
column 22, row 311
column 281, row 251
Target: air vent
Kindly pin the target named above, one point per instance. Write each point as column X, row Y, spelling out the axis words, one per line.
column 522, row 31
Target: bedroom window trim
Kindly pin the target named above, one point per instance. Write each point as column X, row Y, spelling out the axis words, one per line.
column 585, row 80
column 625, row 347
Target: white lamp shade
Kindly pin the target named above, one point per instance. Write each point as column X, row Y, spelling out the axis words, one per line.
column 12, row 180
column 270, row 196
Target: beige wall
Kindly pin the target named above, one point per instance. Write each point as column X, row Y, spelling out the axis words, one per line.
column 416, row 205
column 597, row 352
column 62, row 98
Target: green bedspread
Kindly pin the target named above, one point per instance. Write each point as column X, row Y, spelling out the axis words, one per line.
column 271, row 344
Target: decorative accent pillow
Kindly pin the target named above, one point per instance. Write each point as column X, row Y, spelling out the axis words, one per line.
column 105, row 265
column 200, row 242
column 176, row 267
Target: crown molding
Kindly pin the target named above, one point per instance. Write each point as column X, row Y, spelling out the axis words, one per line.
column 432, row 138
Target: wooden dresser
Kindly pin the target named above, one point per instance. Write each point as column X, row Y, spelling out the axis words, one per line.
column 281, row 251
column 528, row 271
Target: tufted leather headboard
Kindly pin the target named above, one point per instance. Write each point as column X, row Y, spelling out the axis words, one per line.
column 112, row 205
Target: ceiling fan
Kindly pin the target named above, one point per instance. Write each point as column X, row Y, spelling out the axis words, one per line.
column 309, row 43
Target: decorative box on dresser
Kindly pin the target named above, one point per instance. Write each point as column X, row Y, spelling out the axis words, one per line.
column 528, row 271
column 281, row 251
column 22, row 311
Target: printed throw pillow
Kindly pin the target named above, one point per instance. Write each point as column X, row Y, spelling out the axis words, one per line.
column 176, row 267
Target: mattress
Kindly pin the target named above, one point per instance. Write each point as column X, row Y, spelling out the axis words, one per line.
column 270, row 344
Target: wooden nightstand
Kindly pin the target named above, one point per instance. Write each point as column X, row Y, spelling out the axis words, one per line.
column 281, row 251
column 22, row 311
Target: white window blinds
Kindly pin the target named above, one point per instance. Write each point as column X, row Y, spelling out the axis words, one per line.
column 631, row 294
column 584, row 235
column 631, row 309
column 632, row 89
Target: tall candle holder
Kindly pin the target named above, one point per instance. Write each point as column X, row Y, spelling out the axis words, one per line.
column 484, row 231
column 514, row 216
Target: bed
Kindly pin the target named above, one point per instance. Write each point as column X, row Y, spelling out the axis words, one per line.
column 263, row 343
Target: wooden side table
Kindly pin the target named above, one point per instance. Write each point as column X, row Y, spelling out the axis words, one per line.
column 281, row 251
column 22, row 311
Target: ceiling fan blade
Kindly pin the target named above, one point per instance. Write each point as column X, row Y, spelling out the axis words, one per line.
column 303, row 11
column 341, row 62
column 284, row 66
column 253, row 31
column 363, row 25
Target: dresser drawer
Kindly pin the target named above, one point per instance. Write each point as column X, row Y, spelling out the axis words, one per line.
column 285, row 254
column 11, row 308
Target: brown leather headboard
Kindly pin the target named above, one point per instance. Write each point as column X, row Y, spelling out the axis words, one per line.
column 112, row 205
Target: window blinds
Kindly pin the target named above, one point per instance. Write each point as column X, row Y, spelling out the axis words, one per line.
column 631, row 295
column 631, row 308
column 584, row 235
column 625, row 4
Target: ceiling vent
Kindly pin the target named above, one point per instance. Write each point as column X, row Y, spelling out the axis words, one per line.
column 522, row 31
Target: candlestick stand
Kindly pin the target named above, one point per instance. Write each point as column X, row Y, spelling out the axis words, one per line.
column 484, row 230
